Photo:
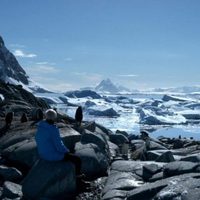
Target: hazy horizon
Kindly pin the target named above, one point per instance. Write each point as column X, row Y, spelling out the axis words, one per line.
column 72, row 44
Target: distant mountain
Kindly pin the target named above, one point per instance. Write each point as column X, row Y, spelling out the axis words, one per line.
column 12, row 72
column 107, row 86
column 184, row 89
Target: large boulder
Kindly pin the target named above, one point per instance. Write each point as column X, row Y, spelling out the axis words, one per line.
column 82, row 94
column 110, row 112
column 54, row 180
column 118, row 139
column 94, row 162
column 150, row 190
column 179, row 167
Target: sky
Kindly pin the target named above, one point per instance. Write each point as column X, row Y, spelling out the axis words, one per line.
column 70, row 44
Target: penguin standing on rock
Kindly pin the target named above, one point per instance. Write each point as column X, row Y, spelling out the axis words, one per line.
column 9, row 118
column 24, row 118
column 79, row 115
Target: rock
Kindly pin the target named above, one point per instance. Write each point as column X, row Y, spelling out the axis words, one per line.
column 137, row 144
column 179, row 167
column 70, row 137
column 118, row 139
column 50, row 180
column 184, row 189
column 166, row 157
column 104, row 113
column 10, row 173
column 89, row 137
column 25, row 154
column 150, row 170
column 114, row 195
column 12, row 190
column 90, row 126
column 94, row 161
column 173, row 98
column 157, row 176
column 192, row 158
column 82, row 94
column 89, row 104
column 123, row 133
column 152, row 145
column 119, row 182
column 114, row 149
column 150, row 190
column 131, row 166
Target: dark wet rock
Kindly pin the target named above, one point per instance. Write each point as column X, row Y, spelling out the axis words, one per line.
column 70, row 137
column 50, row 180
column 191, row 158
column 177, row 144
column 150, row 170
column 179, row 167
column 153, row 145
column 22, row 154
column 10, row 173
column 122, row 132
column 153, row 155
column 157, row 176
column 12, row 190
column 133, row 137
column 104, row 113
column 94, row 160
column 82, row 94
column 166, row 157
column 88, row 137
column 91, row 126
column 150, row 190
column 118, row 139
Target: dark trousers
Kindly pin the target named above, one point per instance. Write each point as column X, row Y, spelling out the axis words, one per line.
column 75, row 160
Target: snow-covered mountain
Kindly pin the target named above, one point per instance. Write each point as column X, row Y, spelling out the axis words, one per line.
column 12, row 72
column 107, row 86
column 184, row 89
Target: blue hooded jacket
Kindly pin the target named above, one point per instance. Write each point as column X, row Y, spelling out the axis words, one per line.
column 49, row 143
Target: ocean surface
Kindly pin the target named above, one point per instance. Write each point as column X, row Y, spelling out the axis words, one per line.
column 129, row 119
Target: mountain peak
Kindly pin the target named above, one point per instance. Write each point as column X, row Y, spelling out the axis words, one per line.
column 108, row 86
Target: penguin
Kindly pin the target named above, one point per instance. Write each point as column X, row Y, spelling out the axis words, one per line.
column 79, row 115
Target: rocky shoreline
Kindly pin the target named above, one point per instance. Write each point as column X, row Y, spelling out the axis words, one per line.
column 167, row 168
column 119, row 166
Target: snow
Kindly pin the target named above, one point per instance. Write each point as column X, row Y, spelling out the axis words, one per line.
column 2, row 97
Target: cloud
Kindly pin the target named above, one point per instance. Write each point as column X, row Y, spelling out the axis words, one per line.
column 128, row 75
column 45, row 63
column 20, row 53
column 42, row 69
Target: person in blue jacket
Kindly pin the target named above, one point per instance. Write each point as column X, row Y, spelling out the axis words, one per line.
column 49, row 143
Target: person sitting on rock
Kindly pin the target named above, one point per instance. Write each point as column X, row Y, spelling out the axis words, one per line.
column 50, row 146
